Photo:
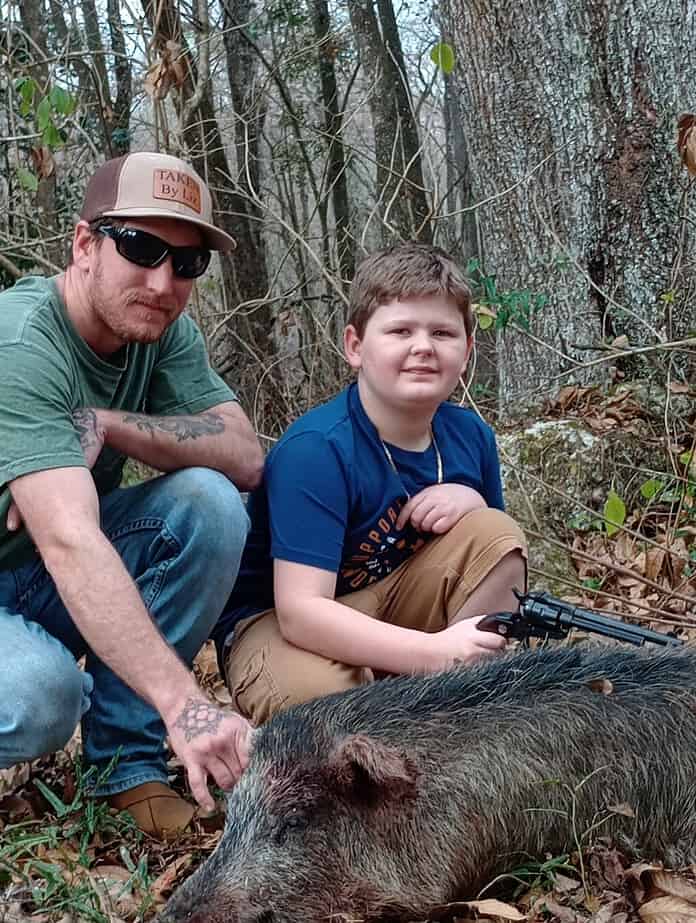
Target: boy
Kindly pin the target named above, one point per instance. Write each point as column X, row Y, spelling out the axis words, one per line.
column 378, row 533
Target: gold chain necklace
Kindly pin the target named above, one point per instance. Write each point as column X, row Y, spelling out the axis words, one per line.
column 440, row 468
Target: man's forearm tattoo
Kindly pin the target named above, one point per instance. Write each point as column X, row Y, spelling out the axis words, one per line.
column 199, row 717
column 85, row 420
column 182, row 427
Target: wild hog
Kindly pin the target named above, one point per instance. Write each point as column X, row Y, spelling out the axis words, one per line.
column 383, row 802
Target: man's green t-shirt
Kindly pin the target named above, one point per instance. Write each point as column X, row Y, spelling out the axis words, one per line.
column 47, row 371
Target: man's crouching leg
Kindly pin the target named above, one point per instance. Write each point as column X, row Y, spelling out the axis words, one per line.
column 43, row 693
column 181, row 538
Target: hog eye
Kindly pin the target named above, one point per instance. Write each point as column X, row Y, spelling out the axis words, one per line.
column 292, row 823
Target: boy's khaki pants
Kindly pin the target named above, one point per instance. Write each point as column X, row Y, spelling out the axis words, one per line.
column 265, row 673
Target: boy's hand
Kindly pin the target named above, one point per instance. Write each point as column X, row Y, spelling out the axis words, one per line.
column 462, row 643
column 438, row 507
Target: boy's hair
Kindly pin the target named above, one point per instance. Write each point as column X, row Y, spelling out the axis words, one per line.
column 409, row 270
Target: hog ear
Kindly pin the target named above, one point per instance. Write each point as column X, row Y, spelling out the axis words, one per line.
column 367, row 767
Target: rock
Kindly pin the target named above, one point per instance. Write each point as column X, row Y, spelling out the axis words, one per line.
column 557, row 475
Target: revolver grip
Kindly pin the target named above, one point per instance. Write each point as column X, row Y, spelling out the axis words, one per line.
column 501, row 623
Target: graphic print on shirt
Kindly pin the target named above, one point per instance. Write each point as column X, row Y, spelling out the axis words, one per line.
column 378, row 551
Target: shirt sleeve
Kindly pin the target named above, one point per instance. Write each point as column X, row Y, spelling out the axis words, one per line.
column 308, row 502
column 492, row 483
column 182, row 379
column 36, row 404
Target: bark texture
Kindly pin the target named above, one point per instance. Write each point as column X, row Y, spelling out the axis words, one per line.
column 401, row 194
column 335, row 174
column 570, row 110
column 244, row 270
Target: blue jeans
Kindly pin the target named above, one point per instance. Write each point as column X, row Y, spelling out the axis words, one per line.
column 180, row 537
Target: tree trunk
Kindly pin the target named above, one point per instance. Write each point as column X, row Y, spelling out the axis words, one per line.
column 569, row 109
column 336, row 180
column 250, row 112
column 244, row 271
column 120, row 121
column 401, row 193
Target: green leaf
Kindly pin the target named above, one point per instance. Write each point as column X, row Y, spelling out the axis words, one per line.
column 614, row 513
column 442, row 56
column 26, row 86
column 485, row 321
column 472, row 266
column 43, row 113
column 61, row 100
column 126, row 858
column 51, row 137
column 27, row 179
column 593, row 583
column 651, row 488
column 685, row 458
column 58, row 806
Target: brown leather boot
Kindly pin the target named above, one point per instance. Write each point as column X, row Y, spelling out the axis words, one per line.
column 156, row 808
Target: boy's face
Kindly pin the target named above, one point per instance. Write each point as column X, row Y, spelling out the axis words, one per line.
column 412, row 352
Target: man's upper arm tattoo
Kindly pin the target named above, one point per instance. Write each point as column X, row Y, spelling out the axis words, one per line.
column 182, row 427
column 85, row 420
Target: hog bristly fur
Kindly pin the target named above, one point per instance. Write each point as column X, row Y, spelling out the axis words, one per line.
column 405, row 794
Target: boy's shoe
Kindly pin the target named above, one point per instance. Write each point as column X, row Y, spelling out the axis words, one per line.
column 156, row 808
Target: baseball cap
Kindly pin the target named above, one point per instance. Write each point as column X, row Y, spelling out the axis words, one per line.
column 149, row 185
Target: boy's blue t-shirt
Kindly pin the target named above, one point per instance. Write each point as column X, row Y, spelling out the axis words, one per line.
column 335, row 498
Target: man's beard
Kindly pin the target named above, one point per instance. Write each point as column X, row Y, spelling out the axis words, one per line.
column 118, row 315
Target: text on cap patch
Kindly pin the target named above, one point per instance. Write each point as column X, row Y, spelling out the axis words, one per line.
column 177, row 187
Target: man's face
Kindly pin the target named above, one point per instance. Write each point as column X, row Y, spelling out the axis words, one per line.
column 411, row 352
column 130, row 303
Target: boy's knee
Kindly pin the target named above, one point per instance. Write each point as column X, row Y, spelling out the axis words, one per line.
column 261, row 688
column 492, row 525
column 43, row 699
column 512, row 567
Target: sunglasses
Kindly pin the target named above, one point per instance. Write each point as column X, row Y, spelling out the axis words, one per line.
column 150, row 251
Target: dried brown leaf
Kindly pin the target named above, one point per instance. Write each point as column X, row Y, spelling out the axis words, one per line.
column 674, row 884
column 624, row 809
column 601, row 685
column 43, row 161
column 667, row 910
column 496, row 909
column 686, row 141
column 164, row 884
column 561, row 913
column 13, row 778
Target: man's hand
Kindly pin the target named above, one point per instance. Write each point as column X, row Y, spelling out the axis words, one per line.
column 210, row 741
column 91, row 434
column 438, row 507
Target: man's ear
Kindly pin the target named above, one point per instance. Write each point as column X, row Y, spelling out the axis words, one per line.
column 82, row 246
column 351, row 346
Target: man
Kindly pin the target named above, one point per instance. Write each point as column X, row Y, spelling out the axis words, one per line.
column 98, row 364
